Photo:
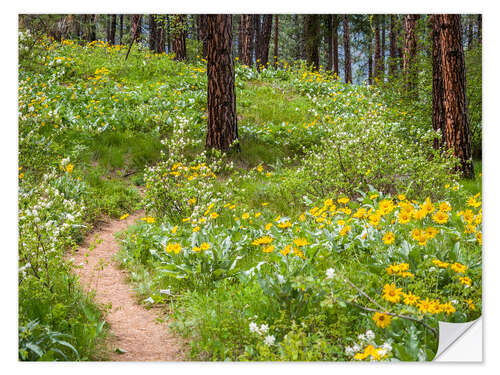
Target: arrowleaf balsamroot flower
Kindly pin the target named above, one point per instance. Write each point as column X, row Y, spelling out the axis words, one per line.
column 382, row 320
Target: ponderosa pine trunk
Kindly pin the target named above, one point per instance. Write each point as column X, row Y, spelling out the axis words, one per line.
column 222, row 127
column 112, row 32
column 160, row 35
column 335, row 27
column 312, row 39
column 179, row 36
column 410, row 54
column 121, row 28
column 329, row 40
column 262, row 52
column 382, row 46
column 438, row 114
column 246, row 39
column 152, row 32
column 276, row 35
column 393, row 66
column 376, row 48
column 457, row 126
column 347, row 51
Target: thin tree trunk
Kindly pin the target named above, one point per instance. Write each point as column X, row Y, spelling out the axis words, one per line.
column 276, row 35
column 335, row 25
column 370, row 65
column 329, row 55
column 382, row 47
column 179, row 37
column 347, row 51
column 134, row 31
column 457, row 133
column 410, row 54
column 240, row 36
column 222, row 127
column 254, row 44
column 112, row 32
column 480, row 28
column 121, row 28
column 469, row 33
column 108, row 27
column 393, row 66
column 438, row 114
column 376, row 38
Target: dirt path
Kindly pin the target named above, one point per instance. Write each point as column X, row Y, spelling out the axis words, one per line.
column 133, row 328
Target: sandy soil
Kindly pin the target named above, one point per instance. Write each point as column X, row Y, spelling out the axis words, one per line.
column 134, row 329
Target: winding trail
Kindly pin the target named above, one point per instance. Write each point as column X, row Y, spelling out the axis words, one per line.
column 134, row 329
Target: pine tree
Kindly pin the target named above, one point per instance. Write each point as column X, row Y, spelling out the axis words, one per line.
column 222, row 127
column 312, row 39
column 347, row 51
column 179, row 36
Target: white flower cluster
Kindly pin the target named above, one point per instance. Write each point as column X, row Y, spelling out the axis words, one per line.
column 262, row 330
column 368, row 338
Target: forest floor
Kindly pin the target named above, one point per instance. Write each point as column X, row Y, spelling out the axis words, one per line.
column 137, row 333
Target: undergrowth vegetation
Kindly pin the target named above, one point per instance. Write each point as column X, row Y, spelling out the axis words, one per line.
column 337, row 233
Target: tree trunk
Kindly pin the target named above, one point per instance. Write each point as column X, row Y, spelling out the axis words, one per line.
column 329, row 37
column 335, row 25
column 410, row 54
column 480, row 28
column 276, row 35
column 347, row 51
column 469, row 33
column 246, row 39
column 160, row 35
column 222, row 127
column 254, row 44
column 377, row 48
column 93, row 27
column 393, row 66
column 382, row 47
column 152, row 33
column 112, row 32
column 202, row 30
column 121, row 28
column 370, row 66
column 438, row 114
column 262, row 53
column 108, row 27
column 457, row 133
column 179, row 37
column 240, row 36
column 312, row 36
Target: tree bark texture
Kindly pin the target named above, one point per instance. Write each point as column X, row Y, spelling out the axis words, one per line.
column 246, row 39
column 222, row 127
column 179, row 36
column 276, row 35
column 262, row 53
column 410, row 54
column 393, row 66
column 347, row 52
column 438, row 115
column 335, row 26
column 457, row 126
column 376, row 48
column 312, row 36
column 329, row 38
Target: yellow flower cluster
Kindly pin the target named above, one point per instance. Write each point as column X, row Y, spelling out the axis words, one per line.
column 399, row 270
column 370, row 351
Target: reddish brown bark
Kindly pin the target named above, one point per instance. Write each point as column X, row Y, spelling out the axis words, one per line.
column 438, row 115
column 347, row 51
column 276, row 35
column 179, row 36
column 335, row 26
column 312, row 36
column 393, row 66
column 457, row 126
column 222, row 127
column 328, row 36
column 376, row 48
column 262, row 53
column 246, row 39
column 410, row 53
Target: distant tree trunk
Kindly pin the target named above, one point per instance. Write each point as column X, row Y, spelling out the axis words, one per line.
column 246, row 39
column 240, row 35
column 121, row 28
column 470, row 34
column 264, row 37
column 370, row 65
column 480, row 28
column 328, row 35
column 160, row 36
column 222, row 127
column 382, row 47
column 202, row 27
column 76, row 26
column 93, row 28
column 179, row 37
column 393, row 66
column 335, row 26
column 108, row 27
column 312, row 35
column 152, row 33
column 135, row 31
column 276, row 35
column 347, row 51
column 410, row 54
column 438, row 113
column 254, row 44
column 457, row 133
column 377, row 47
column 112, row 32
